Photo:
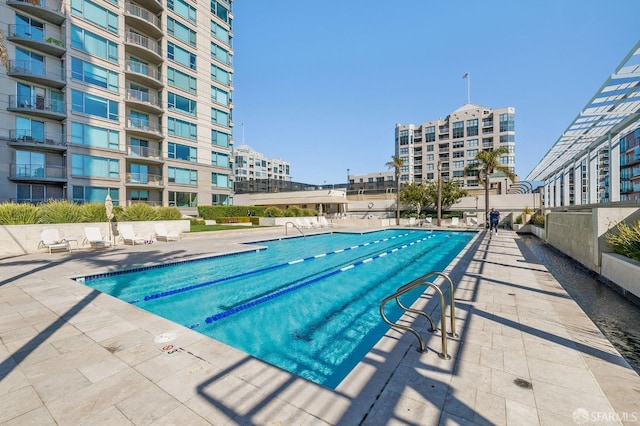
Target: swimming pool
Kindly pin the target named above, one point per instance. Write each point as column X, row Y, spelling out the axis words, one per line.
column 307, row 305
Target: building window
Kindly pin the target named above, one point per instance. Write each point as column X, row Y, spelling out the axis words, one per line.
column 95, row 14
column 219, row 180
column 220, row 75
column 90, row 166
column 220, row 139
column 487, row 143
column 181, row 56
column 458, row 129
column 94, row 75
column 184, row 9
column 221, row 33
column 472, row 152
column 85, row 134
column 220, row 117
column 94, row 194
column 182, row 152
column 94, row 44
column 181, row 103
column 221, row 200
column 430, row 134
column 457, row 144
column 219, row 96
column 458, row 164
column 222, row 160
column 97, row 106
column 220, row 54
column 183, row 199
column 182, row 176
column 472, row 127
column 218, row 9
column 507, row 138
column 507, row 122
column 181, row 32
column 28, row 129
column 458, row 154
column 182, row 80
column 182, row 128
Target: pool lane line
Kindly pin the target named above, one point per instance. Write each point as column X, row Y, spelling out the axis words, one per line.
column 259, row 270
column 264, row 299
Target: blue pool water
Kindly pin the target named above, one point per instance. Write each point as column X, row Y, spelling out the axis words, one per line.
column 307, row 305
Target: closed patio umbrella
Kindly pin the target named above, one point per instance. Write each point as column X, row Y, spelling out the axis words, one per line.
column 108, row 205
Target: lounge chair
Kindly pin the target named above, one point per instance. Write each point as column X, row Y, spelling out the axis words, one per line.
column 128, row 236
column 324, row 223
column 454, row 222
column 94, row 238
column 413, row 221
column 163, row 235
column 50, row 239
column 427, row 221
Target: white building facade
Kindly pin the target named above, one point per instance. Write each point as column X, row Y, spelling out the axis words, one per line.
column 252, row 165
column 131, row 98
column 451, row 144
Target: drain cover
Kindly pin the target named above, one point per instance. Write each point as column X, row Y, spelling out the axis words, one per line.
column 522, row 383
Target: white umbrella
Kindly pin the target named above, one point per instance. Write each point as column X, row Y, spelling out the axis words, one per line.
column 108, row 205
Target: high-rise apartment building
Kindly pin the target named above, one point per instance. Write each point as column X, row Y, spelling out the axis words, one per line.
column 451, row 144
column 131, row 98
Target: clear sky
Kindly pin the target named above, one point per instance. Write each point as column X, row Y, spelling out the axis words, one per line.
column 322, row 84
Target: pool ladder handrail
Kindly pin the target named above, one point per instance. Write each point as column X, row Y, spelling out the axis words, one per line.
column 295, row 226
column 422, row 281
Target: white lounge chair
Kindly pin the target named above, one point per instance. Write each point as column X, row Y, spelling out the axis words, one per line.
column 128, row 236
column 324, row 223
column 428, row 221
column 50, row 239
column 413, row 221
column 94, row 238
column 163, row 235
column 455, row 222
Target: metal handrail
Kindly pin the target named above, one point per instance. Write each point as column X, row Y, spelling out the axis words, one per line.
column 295, row 226
column 411, row 286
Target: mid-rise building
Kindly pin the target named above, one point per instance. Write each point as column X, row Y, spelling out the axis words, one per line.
column 443, row 148
column 252, row 165
column 131, row 98
column 372, row 183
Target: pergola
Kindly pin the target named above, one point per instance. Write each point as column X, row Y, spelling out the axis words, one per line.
column 614, row 108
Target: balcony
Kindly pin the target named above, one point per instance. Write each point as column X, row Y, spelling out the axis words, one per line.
column 39, row 107
column 143, row 20
column 37, row 173
column 155, row 6
column 144, row 74
column 50, row 42
column 143, row 127
column 47, row 10
column 143, row 152
column 39, row 140
column 143, row 47
column 37, row 72
column 144, row 101
column 143, row 179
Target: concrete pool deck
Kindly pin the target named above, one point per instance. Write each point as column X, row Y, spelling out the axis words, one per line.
column 525, row 354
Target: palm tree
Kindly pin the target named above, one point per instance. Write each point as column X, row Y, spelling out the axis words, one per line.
column 396, row 163
column 488, row 162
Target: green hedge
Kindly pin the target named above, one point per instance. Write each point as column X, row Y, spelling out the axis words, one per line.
column 217, row 212
column 62, row 211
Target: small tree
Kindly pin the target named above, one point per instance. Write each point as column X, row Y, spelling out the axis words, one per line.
column 426, row 194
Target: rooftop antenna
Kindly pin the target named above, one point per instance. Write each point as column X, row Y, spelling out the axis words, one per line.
column 243, row 133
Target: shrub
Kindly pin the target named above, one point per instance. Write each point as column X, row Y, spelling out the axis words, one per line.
column 18, row 214
column 138, row 212
column 293, row 211
column 538, row 220
column 626, row 240
column 60, row 212
column 169, row 213
column 518, row 219
column 273, row 212
column 196, row 221
column 93, row 212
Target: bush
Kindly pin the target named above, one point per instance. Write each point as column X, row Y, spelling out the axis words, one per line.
column 18, row 214
column 538, row 220
column 196, row 221
column 626, row 240
column 215, row 212
column 60, row 212
column 169, row 213
column 518, row 219
column 93, row 212
column 138, row 212
column 293, row 211
column 273, row 212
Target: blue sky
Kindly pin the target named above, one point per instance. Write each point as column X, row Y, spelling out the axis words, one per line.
column 322, row 84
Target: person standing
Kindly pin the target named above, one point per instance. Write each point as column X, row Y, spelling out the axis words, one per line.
column 494, row 219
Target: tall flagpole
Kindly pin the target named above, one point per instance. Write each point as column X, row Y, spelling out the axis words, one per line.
column 467, row 77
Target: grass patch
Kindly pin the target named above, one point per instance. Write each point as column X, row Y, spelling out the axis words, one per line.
column 202, row 228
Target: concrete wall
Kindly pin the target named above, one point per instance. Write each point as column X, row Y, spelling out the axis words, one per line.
column 622, row 271
column 16, row 240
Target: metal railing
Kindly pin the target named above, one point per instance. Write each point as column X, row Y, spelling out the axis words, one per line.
column 295, row 226
column 422, row 281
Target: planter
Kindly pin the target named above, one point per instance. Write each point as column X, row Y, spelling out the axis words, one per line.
column 622, row 271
